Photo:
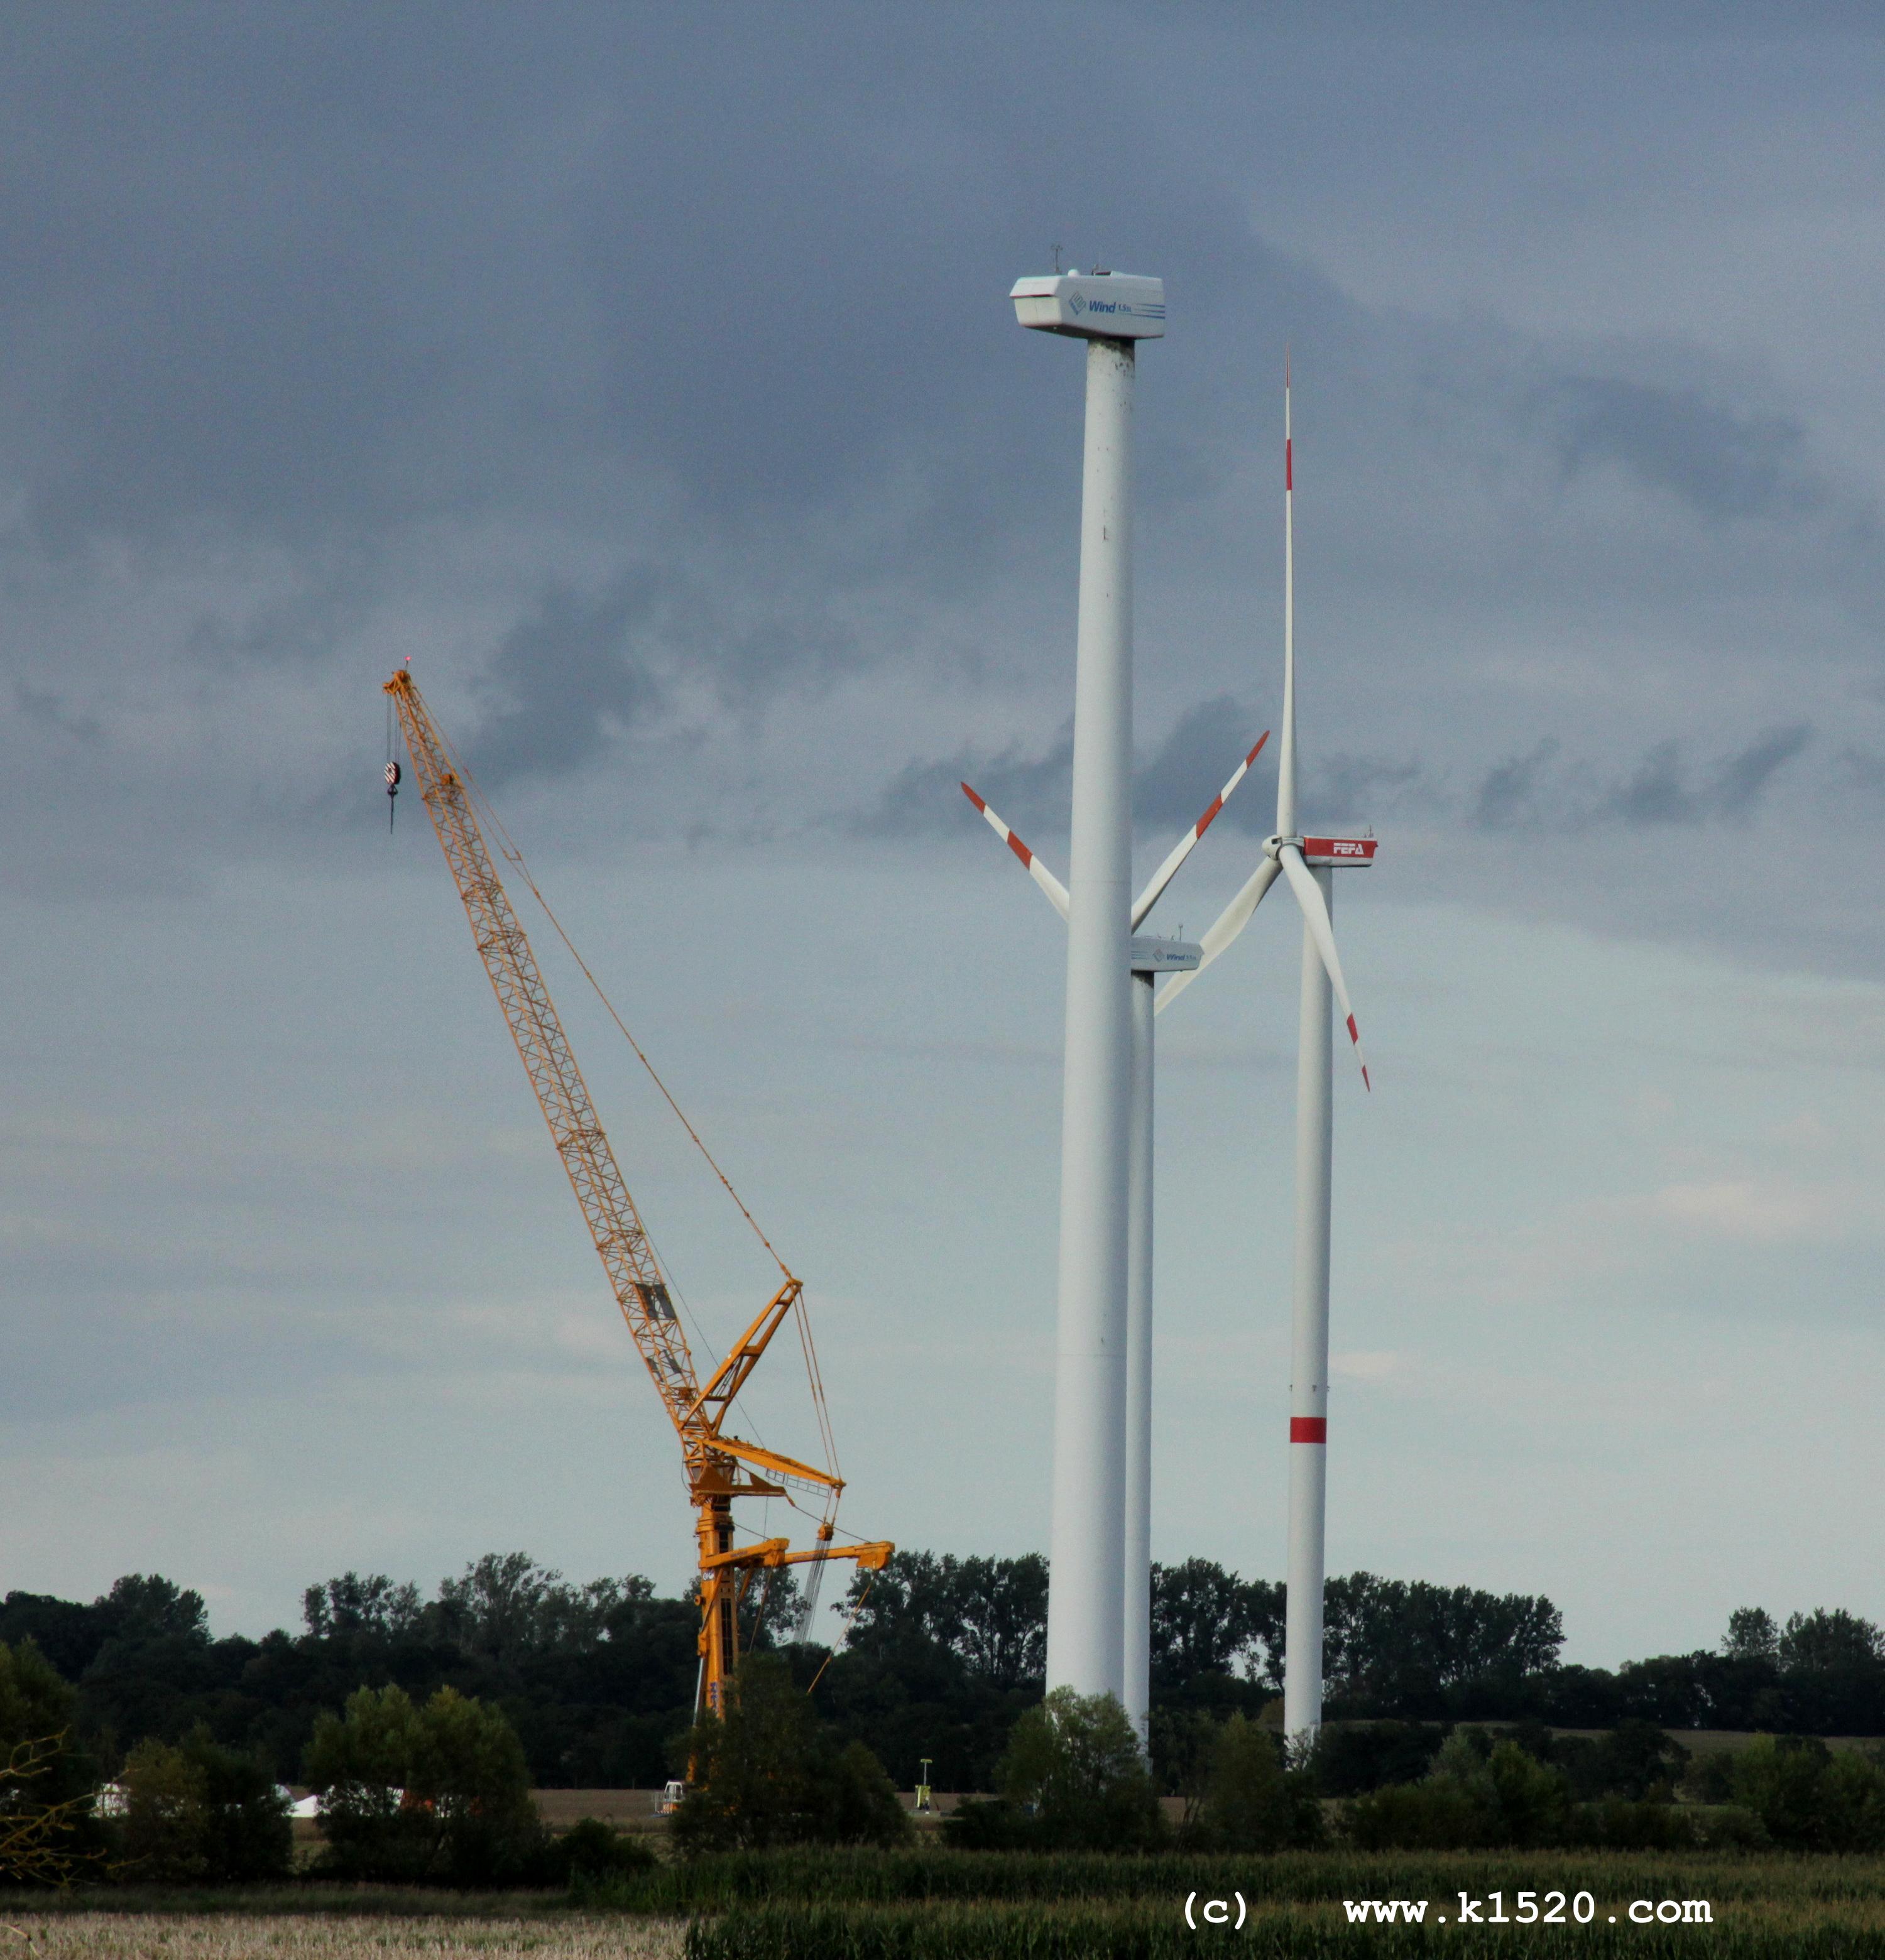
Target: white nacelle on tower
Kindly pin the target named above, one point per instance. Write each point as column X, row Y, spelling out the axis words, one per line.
column 1092, row 306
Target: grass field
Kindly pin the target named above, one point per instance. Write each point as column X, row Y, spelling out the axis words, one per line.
column 237, row 1935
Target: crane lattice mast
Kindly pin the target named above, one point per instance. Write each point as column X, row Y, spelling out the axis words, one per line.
column 719, row 1466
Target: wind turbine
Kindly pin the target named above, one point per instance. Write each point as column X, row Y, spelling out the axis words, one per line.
column 1148, row 958
column 1307, row 863
column 1111, row 312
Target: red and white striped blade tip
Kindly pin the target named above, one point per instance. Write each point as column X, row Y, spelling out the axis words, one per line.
column 1223, row 795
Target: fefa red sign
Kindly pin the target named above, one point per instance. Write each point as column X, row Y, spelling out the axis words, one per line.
column 1358, row 850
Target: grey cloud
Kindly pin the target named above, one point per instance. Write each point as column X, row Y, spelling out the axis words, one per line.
column 1507, row 796
column 1864, row 770
column 1531, row 791
column 1027, row 792
column 1662, row 790
column 48, row 710
column 1363, row 789
column 570, row 676
column 1722, row 462
column 1171, row 786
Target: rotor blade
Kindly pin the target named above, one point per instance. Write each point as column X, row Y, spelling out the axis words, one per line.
column 1230, row 921
column 1316, row 916
column 1056, row 892
column 1167, row 871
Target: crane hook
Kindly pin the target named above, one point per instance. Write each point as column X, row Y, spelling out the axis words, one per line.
column 392, row 790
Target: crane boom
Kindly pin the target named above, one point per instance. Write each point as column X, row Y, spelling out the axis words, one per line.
column 719, row 1467
column 621, row 1239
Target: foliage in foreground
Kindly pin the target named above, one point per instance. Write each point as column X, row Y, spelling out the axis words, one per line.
column 433, row 1794
column 771, row 1773
column 1483, row 1792
column 47, row 1835
column 200, row 1812
column 1074, row 1779
column 1143, row 1931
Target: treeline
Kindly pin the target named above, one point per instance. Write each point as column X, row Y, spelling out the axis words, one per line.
column 940, row 1657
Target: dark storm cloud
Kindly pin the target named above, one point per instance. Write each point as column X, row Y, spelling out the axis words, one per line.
column 684, row 330
column 569, row 676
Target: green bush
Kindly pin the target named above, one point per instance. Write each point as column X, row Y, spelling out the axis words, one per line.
column 1428, row 1816
column 771, row 1774
column 436, row 1795
column 162, row 1829
column 1619, row 1824
column 1809, row 1799
column 1075, row 1766
column 1250, row 1802
column 200, row 1813
column 1479, row 1793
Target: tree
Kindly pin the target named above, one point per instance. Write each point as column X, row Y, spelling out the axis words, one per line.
column 1074, row 1762
column 770, row 1773
column 1200, row 1621
column 1824, row 1641
column 1393, row 1647
column 164, row 1824
column 1249, row 1805
column 436, row 1794
column 988, row 1614
column 1752, row 1635
column 46, row 1833
column 44, row 1841
column 351, row 1606
column 1809, row 1799
column 246, row 1831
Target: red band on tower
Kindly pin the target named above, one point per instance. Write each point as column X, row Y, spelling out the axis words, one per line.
column 1309, row 1429
column 1289, row 472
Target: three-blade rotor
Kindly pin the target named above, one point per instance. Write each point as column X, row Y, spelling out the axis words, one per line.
column 1057, row 892
column 1282, row 852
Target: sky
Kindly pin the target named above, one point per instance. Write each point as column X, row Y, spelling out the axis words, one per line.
column 646, row 377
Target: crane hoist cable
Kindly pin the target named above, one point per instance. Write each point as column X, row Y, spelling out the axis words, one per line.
column 720, row 1465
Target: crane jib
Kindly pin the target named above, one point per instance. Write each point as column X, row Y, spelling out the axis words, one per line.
column 719, row 1467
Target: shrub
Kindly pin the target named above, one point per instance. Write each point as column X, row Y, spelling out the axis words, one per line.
column 1479, row 1793
column 1074, row 1760
column 771, row 1773
column 591, row 1852
column 1434, row 1815
column 1618, row 1824
column 1808, row 1798
column 436, row 1795
column 1250, row 1802
column 1351, row 1758
column 164, row 1825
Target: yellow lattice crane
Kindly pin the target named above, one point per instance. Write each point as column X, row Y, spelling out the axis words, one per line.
column 719, row 1466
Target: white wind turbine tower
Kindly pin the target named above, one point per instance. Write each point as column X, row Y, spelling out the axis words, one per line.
column 1148, row 958
column 1111, row 312
column 1307, row 863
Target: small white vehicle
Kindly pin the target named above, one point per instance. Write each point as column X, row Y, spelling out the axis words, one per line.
column 669, row 1801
